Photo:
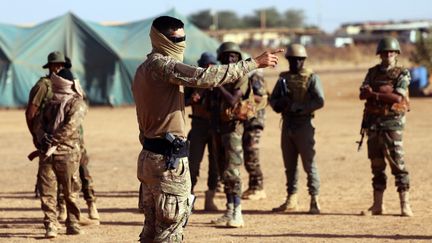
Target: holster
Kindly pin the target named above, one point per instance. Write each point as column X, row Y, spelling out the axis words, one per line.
column 173, row 151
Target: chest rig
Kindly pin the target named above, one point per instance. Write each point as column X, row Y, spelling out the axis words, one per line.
column 379, row 78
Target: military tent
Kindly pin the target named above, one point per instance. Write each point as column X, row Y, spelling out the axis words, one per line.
column 104, row 57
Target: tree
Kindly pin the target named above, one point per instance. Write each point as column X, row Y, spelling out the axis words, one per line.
column 268, row 17
column 294, row 18
column 202, row 19
column 228, row 20
column 423, row 51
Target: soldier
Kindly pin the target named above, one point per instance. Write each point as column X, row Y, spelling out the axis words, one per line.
column 40, row 94
column 228, row 138
column 385, row 90
column 84, row 173
column 253, row 129
column 163, row 167
column 59, row 146
column 200, row 134
column 296, row 95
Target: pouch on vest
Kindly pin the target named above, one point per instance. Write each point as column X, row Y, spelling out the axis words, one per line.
column 246, row 109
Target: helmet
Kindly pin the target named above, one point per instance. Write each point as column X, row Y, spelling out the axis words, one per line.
column 228, row 47
column 206, row 58
column 295, row 50
column 388, row 44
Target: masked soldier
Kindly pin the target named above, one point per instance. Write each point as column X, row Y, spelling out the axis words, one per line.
column 200, row 134
column 297, row 94
column 40, row 94
column 163, row 167
column 57, row 139
column 253, row 129
column 84, row 173
column 385, row 90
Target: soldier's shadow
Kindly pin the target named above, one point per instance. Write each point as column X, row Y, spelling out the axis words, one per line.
column 21, row 223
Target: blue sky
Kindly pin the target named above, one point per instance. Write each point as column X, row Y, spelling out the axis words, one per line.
column 328, row 14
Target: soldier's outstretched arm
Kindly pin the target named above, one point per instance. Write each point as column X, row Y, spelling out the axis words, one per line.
column 183, row 74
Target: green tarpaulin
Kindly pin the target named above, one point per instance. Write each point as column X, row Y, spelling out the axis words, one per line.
column 104, row 58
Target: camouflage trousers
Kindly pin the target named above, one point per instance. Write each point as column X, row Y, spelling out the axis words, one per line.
column 297, row 141
column 387, row 145
column 86, row 181
column 165, row 197
column 251, row 138
column 63, row 170
column 227, row 147
column 199, row 136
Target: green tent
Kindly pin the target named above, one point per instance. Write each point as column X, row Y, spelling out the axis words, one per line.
column 104, row 58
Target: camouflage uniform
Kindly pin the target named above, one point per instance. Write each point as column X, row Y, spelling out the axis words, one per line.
column 385, row 90
column 62, row 166
column 306, row 95
column 253, row 129
column 230, row 132
column 385, row 124
column 159, row 80
column 40, row 94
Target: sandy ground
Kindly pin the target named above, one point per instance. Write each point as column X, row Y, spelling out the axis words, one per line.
column 112, row 141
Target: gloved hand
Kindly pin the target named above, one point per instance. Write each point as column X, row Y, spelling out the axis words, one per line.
column 46, row 142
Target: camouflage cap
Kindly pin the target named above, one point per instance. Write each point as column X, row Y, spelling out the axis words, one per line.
column 55, row 57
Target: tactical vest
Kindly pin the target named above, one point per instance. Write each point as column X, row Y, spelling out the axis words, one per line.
column 297, row 84
column 380, row 78
column 36, row 128
column 49, row 93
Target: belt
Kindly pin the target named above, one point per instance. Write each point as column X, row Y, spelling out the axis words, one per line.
column 157, row 145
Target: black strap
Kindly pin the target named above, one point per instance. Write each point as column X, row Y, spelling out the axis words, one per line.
column 157, row 145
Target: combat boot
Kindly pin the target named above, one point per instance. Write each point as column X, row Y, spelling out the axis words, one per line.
column 62, row 212
column 237, row 219
column 314, row 205
column 73, row 230
column 92, row 210
column 209, row 204
column 255, row 195
column 51, row 230
column 245, row 194
column 290, row 205
column 377, row 207
column 224, row 219
column 405, row 205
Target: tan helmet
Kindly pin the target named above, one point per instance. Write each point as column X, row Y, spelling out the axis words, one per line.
column 388, row 44
column 296, row 50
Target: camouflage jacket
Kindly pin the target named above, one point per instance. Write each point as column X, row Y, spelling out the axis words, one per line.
column 67, row 135
column 382, row 116
column 158, row 91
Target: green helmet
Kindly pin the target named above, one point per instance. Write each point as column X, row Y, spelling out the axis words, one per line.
column 228, row 47
column 388, row 44
column 296, row 50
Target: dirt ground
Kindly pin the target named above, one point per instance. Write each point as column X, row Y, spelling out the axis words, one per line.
column 112, row 139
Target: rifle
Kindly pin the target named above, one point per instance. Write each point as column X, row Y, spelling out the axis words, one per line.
column 360, row 142
column 365, row 124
